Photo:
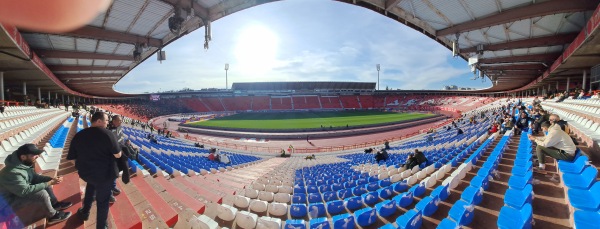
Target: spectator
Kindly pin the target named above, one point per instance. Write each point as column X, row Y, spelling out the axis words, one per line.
column 30, row 195
column 430, row 138
column 522, row 123
column 409, row 161
column 131, row 152
column 556, row 144
column 94, row 150
column 459, row 132
column 369, row 150
column 386, row 144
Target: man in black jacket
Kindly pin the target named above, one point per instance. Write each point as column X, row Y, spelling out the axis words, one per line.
column 95, row 151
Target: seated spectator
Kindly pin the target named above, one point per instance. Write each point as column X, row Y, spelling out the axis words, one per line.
column 430, row 138
column 522, row 123
column 596, row 95
column 556, row 144
column 409, row 161
column 311, row 157
column 381, row 155
column 213, row 156
column 369, row 150
column 420, row 157
column 386, row 144
column 28, row 194
column 130, row 151
column 459, row 131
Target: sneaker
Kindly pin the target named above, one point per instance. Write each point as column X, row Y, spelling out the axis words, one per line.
column 62, row 205
column 81, row 215
column 116, row 191
column 112, row 200
column 59, row 217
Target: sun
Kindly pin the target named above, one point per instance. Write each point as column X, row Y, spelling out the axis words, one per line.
column 256, row 49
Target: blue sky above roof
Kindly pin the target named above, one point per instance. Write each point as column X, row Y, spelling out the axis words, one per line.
column 303, row 40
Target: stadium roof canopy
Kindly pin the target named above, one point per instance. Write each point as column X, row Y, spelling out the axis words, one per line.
column 300, row 86
column 522, row 44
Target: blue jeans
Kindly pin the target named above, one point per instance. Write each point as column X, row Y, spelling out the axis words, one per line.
column 103, row 192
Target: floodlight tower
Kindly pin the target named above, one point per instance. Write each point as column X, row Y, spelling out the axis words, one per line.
column 378, row 67
column 226, row 69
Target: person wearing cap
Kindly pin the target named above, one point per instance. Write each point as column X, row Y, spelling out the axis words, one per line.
column 95, row 150
column 28, row 194
column 557, row 144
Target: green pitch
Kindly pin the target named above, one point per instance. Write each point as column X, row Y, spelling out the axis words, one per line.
column 307, row 120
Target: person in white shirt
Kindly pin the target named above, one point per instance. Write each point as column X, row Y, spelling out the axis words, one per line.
column 556, row 144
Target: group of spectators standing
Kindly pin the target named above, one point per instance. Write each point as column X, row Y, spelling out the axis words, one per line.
column 100, row 153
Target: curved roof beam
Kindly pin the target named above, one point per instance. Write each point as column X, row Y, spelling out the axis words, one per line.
column 520, row 13
column 391, row 3
column 109, row 35
column 546, row 58
column 56, row 68
column 552, row 40
column 46, row 53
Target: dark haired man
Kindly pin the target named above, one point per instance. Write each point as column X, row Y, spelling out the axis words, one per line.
column 94, row 150
column 28, row 194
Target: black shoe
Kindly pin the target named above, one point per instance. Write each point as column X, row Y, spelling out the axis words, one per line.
column 81, row 215
column 62, row 205
column 116, row 191
column 112, row 200
column 59, row 217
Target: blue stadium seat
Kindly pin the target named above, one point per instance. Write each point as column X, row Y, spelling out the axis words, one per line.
column 314, row 198
column 385, row 182
column 386, row 208
column 324, row 188
column 428, row 205
column 299, row 190
column 295, row 224
column 518, row 182
column 418, row 190
column 337, row 187
column 586, row 219
column 298, row 210
column 462, row 213
column 472, row 195
column 372, row 186
column 403, row 199
column 329, row 196
column 585, row 199
column 370, row 198
column 576, row 166
column 400, row 186
column 522, row 170
column 441, row 191
column 365, row 216
column 447, row 224
column 410, row 220
column 345, row 193
column 353, row 203
column 316, row 210
column 479, row 181
column 385, row 193
column 511, row 218
column 359, row 190
column 299, row 198
column 343, row 221
column 517, row 198
column 335, row 207
column 319, row 223
column 312, row 189
column 581, row 181
column 388, row 226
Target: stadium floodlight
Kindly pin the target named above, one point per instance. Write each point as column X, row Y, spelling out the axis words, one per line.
column 226, row 69
column 378, row 68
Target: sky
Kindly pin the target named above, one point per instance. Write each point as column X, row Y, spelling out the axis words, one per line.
column 303, row 40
